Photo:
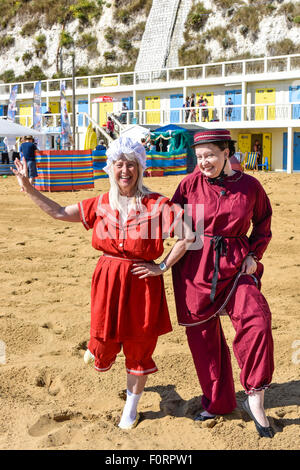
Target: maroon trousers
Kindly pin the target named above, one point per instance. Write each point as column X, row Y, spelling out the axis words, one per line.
column 252, row 346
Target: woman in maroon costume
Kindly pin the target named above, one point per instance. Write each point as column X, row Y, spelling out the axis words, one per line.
column 224, row 276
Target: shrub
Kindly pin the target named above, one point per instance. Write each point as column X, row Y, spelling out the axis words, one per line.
column 8, row 76
column 125, row 45
column 227, row 3
column 40, row 45
column 194, row 55
column 248, row 16
column 284, row 47
column 29, row 28
column 6, row 42
column 110, row 36
column 291, row 8
column 27, row 57
column 89, row 42
column 197, row 17
column 123, row 15
column 110, row 56
column 136, row 33
column 126, row 9
column 86, row 10
column 220, row 35
column 66, row 40
column 33, row 74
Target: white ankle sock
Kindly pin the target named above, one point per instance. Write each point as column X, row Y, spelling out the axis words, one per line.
column 129, row 411
column 207, row 414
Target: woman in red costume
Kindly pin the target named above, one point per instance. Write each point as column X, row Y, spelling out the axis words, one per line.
column 128, row 303
column 224, row 276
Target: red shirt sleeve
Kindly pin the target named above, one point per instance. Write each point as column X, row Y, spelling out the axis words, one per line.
column 87, row 211
column 261, row 232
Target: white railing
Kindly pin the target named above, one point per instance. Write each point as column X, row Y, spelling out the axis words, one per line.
column 222, row 70
column 198, row 115
column 237, row 113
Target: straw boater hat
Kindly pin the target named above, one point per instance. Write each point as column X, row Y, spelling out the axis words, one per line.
column 212, row 135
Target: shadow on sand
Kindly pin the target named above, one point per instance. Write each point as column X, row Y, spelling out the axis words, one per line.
column 277, row 396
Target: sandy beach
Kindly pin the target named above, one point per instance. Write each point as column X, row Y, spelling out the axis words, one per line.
column 51, row 400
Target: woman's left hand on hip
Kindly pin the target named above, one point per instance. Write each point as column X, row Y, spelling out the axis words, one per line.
column 143, row 270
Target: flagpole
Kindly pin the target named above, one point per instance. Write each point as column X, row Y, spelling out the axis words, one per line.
column 73, row 100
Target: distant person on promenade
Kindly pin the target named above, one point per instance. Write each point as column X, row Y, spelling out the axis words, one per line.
column 229, row 109
column 110, row 127
column 193, row 110
column 187, row 111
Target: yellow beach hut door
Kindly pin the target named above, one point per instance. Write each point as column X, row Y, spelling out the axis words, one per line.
column 210, row 102
column 25, row 110
column 244, row 143
column 104, row 110
column 152, row 102
column 267, row 147
column 265, row 96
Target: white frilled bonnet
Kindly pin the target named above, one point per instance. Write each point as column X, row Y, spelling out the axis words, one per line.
column 125, row 146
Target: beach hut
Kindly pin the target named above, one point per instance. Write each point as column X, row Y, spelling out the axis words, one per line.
column 173, row 154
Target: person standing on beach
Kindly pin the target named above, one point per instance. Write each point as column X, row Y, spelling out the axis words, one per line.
column 224, row 276
column 128, row 302
column 27, row 151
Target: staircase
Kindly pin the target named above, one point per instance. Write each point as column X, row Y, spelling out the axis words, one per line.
column 87, row 119
column 163, row 35
column 119, row 127
column 155, row 44
column 177, row 38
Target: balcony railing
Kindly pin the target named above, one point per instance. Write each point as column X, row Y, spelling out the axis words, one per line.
column 222, row 70
column 198, row 115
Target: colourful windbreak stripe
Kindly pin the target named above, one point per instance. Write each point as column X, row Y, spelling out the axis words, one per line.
column 64, row 170
column 170, row 164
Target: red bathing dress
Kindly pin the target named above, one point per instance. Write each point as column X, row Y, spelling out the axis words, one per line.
column 124, row 307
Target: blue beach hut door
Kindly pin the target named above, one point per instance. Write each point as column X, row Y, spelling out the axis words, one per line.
column 295, row 98
column 176, row 101
column 83, row 107
column 236, row 98
column 296, row 151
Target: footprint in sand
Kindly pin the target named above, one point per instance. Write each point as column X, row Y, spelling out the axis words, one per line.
column 60, row 428
column 49, row 422
column 53, row 385
column 55, row 429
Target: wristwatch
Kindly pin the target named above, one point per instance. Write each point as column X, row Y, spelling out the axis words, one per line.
column 253, row 256
column 163, row 267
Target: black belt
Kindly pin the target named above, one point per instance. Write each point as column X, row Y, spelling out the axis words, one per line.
column 218, row 241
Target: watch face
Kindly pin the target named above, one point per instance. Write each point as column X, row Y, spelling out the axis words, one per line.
column 163, row 266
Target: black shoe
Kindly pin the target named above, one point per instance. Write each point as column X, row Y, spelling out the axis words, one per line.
column 203, row 418
column 262, row 431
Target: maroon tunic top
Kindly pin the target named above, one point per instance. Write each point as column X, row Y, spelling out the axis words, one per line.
column 229, row 210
